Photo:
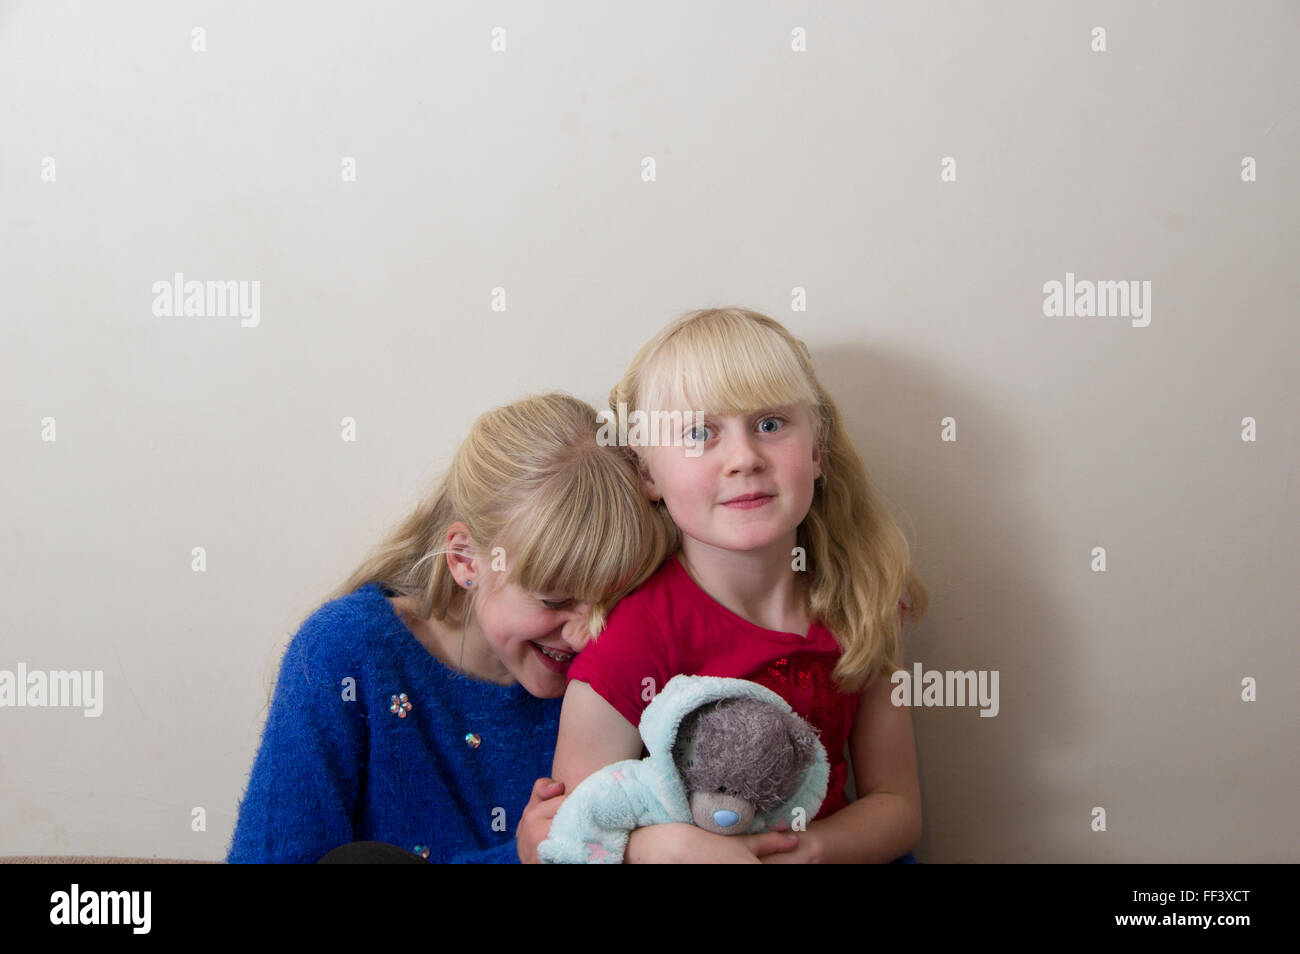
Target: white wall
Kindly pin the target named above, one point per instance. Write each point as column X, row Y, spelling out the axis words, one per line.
column 776, row 169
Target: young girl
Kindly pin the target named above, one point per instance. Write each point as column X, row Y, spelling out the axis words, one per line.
column 417, row 707
column 790, row 573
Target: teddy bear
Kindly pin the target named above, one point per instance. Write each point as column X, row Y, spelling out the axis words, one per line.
column 727, row 755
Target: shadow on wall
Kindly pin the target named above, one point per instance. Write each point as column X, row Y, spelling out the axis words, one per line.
column 978, row 775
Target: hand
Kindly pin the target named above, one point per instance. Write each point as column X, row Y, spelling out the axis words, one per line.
column 808, row 851
column 535, row 822
column 679, row 843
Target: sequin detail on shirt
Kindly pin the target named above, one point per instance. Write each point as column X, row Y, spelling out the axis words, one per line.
column 804, row 680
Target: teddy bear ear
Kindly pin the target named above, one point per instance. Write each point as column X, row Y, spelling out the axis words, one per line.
column 803, row 737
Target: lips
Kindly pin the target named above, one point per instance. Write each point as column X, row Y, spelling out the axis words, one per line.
column 745, row 498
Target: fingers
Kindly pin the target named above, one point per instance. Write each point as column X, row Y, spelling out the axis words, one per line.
column 545, row 801
column 545, row 788
column 773, row 842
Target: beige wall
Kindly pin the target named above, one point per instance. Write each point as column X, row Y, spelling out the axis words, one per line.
column 776, row 170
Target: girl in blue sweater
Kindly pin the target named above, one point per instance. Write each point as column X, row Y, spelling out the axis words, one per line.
column 419, row 706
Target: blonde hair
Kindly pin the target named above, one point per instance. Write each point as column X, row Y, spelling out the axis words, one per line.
column 736, row 361
column 569, row 514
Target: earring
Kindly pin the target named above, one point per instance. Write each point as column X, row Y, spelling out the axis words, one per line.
column 468, row 582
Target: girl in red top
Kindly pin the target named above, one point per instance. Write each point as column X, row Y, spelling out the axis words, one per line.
column 789, row 572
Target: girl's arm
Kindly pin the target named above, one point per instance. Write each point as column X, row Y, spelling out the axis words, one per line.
column 885, row 822
column 593, row 734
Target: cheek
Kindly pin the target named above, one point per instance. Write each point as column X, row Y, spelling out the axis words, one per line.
column 800, row 462
column 673, row 482
column 689, row 494
column 502, row 631
column 523, row 627
column 698, row 483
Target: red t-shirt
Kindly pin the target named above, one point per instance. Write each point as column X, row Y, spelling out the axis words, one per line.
column 670, row 626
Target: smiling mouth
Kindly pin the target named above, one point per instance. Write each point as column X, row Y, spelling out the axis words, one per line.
column 553, row 654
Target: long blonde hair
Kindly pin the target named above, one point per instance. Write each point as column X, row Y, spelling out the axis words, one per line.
column 569, row 515
column 736, row 361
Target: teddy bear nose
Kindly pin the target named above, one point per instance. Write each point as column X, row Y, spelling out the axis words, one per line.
column 725, row 818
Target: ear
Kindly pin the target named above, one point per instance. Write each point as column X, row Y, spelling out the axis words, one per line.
column 817, row 460
column 648, row 482
column 460, row 555
column 803, row 738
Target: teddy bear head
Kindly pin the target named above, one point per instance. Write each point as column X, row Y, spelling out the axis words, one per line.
column 738, row 757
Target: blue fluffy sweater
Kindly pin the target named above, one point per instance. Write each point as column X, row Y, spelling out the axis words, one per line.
column 337, row 765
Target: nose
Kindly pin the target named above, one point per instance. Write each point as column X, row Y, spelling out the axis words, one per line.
column 725, row 818
column 574, row 632
column 742, row 453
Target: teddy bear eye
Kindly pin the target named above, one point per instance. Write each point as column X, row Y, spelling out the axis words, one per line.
column 723, row 791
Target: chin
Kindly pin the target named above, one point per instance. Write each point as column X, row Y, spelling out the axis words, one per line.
column 750, row 543
column 547, row 685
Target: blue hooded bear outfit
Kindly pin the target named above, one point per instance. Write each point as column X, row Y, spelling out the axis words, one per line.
column 594, row 822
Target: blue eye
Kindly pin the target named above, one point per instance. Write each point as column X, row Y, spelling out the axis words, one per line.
column 780, row 420
column 693, row 430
